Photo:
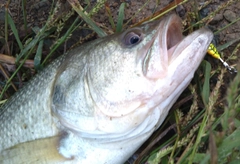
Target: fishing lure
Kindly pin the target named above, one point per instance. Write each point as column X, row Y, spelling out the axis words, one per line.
column 212, row 50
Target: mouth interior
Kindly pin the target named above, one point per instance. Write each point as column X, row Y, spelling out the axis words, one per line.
column 162, row 50
column 173, row 38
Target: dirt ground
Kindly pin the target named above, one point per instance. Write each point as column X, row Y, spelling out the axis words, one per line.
column 38, row 12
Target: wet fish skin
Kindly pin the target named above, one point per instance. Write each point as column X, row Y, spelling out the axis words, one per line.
column 101, row 101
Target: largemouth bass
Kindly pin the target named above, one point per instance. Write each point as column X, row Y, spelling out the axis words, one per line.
column 99, row 102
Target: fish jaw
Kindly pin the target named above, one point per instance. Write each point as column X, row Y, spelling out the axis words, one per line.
column 183, row 60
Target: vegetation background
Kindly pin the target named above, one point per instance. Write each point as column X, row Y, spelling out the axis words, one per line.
column 203, row 125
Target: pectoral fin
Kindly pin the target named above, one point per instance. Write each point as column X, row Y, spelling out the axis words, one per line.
column 38, row 151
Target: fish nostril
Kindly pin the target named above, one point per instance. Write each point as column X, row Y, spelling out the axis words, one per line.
column 201, row 41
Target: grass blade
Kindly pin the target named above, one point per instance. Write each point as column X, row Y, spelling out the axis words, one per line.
column 206, row 87
column 38, row 56
column 14, row 30
column 77, row 7
column 120, row 18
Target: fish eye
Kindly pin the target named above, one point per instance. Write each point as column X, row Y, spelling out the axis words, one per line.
column 132, row 38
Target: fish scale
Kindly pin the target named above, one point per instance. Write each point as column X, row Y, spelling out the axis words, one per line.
column 17, row 124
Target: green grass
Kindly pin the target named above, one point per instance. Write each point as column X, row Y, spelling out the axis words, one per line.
column 206, row 123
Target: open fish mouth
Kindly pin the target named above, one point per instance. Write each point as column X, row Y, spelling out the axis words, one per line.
column 169, row 44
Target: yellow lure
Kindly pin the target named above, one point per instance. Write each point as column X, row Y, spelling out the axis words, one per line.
column 212, row 50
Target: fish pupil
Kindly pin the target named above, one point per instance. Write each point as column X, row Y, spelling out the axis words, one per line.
column 134, row 39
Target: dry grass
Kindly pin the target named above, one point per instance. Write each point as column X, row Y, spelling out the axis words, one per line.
column 204, row 125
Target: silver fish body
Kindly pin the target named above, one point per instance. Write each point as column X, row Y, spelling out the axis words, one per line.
column 99, row 102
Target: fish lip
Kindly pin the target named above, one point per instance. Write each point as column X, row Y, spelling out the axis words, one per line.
column 174, row 42
column 170, row 37
column 203, row 36
column 173, row 31
column 168, row 34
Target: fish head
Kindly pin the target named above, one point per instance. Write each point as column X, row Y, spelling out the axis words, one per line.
column 128, row 78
